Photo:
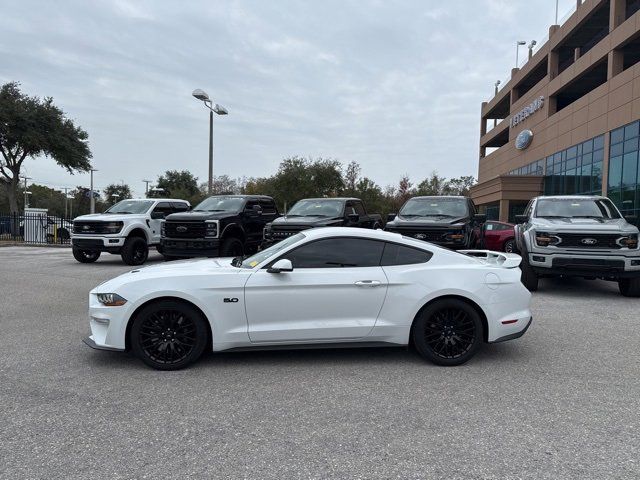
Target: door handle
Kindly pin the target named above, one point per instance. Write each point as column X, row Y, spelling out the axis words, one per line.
column 367, row 283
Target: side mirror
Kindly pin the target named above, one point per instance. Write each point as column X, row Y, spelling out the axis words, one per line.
column 282, row 265
column 157, row 215
column 391, row 217
column 254, row 211
column 522, row 218
column 479, row 218
column 353, row 217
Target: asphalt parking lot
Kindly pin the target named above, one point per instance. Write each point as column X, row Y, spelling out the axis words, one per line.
column 561, row 402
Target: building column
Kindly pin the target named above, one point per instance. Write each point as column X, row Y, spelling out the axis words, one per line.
column 615, row 63
column 553, row 64
column 617, row 13
column 576, row 54
column 504, row 211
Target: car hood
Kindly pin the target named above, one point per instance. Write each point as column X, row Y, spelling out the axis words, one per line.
column 110, row 217
column 185, row 268
column 401, row 221
column 199, row 216
column 305, row 221
column 581, row 224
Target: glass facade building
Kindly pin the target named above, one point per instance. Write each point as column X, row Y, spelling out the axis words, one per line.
column 622, row 182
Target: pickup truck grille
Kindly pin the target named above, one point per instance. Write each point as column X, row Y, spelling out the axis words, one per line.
column 89, row 227
column 426, row 235
column 184, row 229
column 584, row 240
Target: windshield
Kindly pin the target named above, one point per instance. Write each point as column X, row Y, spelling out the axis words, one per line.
column 261, row 256
column 317, row 208
column 435, row 207
column 576, row 208
column 220, row 204
column 130, row 206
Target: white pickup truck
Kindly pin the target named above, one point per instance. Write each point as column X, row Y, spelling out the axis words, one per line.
column 127, row 228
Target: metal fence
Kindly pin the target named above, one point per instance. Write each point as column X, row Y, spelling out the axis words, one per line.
column 35, row 228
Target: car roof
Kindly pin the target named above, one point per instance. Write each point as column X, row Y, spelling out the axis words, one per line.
column 234, row 195
column 344, row 199
column 156, row 199
column 570, row 197
column 462, row 197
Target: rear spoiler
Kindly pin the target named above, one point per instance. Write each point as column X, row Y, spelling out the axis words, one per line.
column 499, row 259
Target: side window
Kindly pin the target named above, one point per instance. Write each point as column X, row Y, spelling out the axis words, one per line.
column 529, row 209
column 250, row 204
column 163, row 207
column 337, row 253
column 359, row 208
column 180, row 207
column 490, row 226
column 268, row 207
column 395, row 254
column 349, row 209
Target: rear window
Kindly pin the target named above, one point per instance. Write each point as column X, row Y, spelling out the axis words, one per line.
column 395, row 254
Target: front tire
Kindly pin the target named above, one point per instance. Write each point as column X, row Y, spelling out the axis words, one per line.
column 529, row 278
column 85, row 256
column 629, row 287
column 134, row 251
column 448, row 332
column 232, row 247
column 169, row 335
column 510, row 246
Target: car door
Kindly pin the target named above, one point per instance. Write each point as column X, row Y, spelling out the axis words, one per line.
column 335, row 292
column 363, row 220
column 252, row 221
column 155, row 224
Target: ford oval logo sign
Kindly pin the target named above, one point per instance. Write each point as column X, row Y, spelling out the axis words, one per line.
column 421, row 236
column 588, row 241
column 181, row 229
column 524, row 139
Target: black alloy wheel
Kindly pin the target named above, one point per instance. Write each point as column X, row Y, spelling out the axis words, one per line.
column 510, row 246
column 448, row 332
column 232, row 247
column 85, row 256
column 135, row 251
column 169, row 335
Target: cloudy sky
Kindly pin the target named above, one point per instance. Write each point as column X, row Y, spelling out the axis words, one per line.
column 393, row 85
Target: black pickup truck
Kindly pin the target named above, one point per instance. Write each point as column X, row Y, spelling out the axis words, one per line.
column 320, row 212
column 448, row 221
column 219, row 226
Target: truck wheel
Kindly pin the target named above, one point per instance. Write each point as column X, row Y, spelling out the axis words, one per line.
column 232, row 247
column 629, row 287
column 529, row 278
column 85, row 256
column 134, row 251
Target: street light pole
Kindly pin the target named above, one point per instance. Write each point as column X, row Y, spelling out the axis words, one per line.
column 518, row 43
column 146, row 187
column 556, row 13
column 26, row 195
column 218, row 109
column 93, row 200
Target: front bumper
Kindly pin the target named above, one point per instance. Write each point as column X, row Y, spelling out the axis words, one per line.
column 190, row 247
column 100, row 243
column 580, row 264
column 91, row 343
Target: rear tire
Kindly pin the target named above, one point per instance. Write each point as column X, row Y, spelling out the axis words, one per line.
column 232, row 247
column 169, row 335
column 510, row 246
column 529, row 278
column 134, row 251
column 629, row 287
column 85, row 256
column 448, row 332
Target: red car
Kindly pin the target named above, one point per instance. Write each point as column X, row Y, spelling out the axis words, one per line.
column 498, row 236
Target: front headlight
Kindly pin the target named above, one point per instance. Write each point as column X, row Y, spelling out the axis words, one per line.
column 111, row 299
column 267, row 233
column 113, row 227
column 544, row 239
column 211, row 230
column 629, row 241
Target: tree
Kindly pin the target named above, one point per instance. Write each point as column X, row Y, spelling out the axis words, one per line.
column 351, row 177
column 460, row 186
column 31, row 127
column 433, row 185
column 176, row 184
column 45, row 197
column 81, row 201
column 115, row 192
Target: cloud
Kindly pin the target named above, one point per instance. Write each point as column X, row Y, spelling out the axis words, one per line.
column 383, row 83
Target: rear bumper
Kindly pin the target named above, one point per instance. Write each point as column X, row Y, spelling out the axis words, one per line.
column 513, row 336
column 190, row 247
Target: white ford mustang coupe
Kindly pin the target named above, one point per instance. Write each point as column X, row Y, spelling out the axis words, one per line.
column 319, row 288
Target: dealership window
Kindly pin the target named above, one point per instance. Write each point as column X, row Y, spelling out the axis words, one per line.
column 576, row 170
column 622, row 184
column 533, row 168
